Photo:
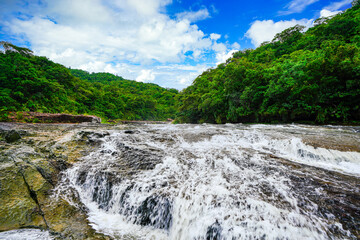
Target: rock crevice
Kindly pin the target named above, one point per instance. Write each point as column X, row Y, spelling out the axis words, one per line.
column 30, row 170
column 32, row 194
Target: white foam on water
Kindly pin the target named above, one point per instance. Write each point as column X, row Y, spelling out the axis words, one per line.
column 293, row 149
column 25, row 234
column 117, row 226
column 212, row 180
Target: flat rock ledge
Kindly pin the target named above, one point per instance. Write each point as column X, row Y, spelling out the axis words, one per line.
column 52, row 117
column 32, row 159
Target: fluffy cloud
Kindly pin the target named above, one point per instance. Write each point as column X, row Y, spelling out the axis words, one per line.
column 215, row 36
column 327, row 13
column 223, row 56
column 117, row 36
column 333, row 8
column 261, row 31
column 146, row 76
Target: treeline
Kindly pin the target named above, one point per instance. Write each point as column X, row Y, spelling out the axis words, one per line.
column 311, row 77
column 32, row 83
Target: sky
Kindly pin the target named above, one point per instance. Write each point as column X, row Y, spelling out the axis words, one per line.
column 166, row 42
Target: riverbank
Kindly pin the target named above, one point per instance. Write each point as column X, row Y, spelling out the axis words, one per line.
column 32, row 157
column 37, row 117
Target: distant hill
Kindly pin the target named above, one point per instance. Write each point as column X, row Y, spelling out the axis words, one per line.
column 312, row 77
column 32, row 83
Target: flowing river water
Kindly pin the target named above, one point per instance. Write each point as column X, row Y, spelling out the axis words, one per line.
column 228, row 181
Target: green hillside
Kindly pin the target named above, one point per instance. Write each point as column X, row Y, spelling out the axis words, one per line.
column 312, row 76
column 32, row 83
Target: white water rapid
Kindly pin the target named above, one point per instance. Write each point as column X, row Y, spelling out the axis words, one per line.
column 221, row 182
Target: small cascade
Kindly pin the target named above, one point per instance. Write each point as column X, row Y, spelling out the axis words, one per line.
column 25, row 234
column 219, row 182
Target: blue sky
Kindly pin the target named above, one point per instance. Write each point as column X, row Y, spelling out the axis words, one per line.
column 167, row 42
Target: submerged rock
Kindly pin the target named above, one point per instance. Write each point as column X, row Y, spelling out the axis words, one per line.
column 12, row 136
column 138, row 159
column 103, row 191
column 214, row 231
column 155, row 211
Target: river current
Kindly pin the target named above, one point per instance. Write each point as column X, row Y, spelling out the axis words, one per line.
column 228, row 181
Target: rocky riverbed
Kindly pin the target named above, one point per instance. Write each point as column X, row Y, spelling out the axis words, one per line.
column 32, row 157
column 136, row 181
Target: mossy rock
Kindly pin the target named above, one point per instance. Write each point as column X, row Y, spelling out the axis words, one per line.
column 12, row 136
column 70, row 221
column 17, row 209
column 29, row 171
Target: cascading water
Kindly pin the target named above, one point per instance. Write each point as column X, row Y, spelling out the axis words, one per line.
column 221, row 182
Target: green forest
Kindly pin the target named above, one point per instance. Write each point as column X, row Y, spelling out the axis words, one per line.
column 311, row 77
column 297, row 77
column 32, row 83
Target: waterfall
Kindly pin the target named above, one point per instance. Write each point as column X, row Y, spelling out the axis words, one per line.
column 220, row 182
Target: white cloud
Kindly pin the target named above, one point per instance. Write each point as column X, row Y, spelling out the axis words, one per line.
column 194, row 16
column 213, row 9
column 337, row 5
column 219, row 47
column 261, row 31
column 236, row 46
column 98, row 66
column 144, row 8
column 186, row 80
column 223, row 51
column 223, row 56
column 146, row 76
column 130, row 38
column 147, row 7
column 178, row 75
column 78, row 12
column 333, row 8
column 297, row 6
column 215, row 36
column 326, row 13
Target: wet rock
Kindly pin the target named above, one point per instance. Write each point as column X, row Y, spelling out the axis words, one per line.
column 18, row 208
column 55, row 118
column 338, row 200
column 155, row 211
column 138, row 159
column 81, row 178
column 103, row 191
column 130, row 131
column 126, row 207
column 94, row 138
column 214, row 231
column 69, row 222
column 28, row 174
column 12, row 136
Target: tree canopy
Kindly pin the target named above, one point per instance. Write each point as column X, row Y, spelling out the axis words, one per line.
column 32, row 83
column 311, row 76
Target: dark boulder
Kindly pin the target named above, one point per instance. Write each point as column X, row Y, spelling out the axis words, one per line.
column 155, row 211
column 12, row 136
column 214, row 231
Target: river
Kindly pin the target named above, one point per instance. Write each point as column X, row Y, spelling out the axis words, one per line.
column 230, row 181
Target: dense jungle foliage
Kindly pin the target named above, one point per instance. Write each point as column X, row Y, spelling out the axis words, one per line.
column 32, row 83
column 310, row 77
